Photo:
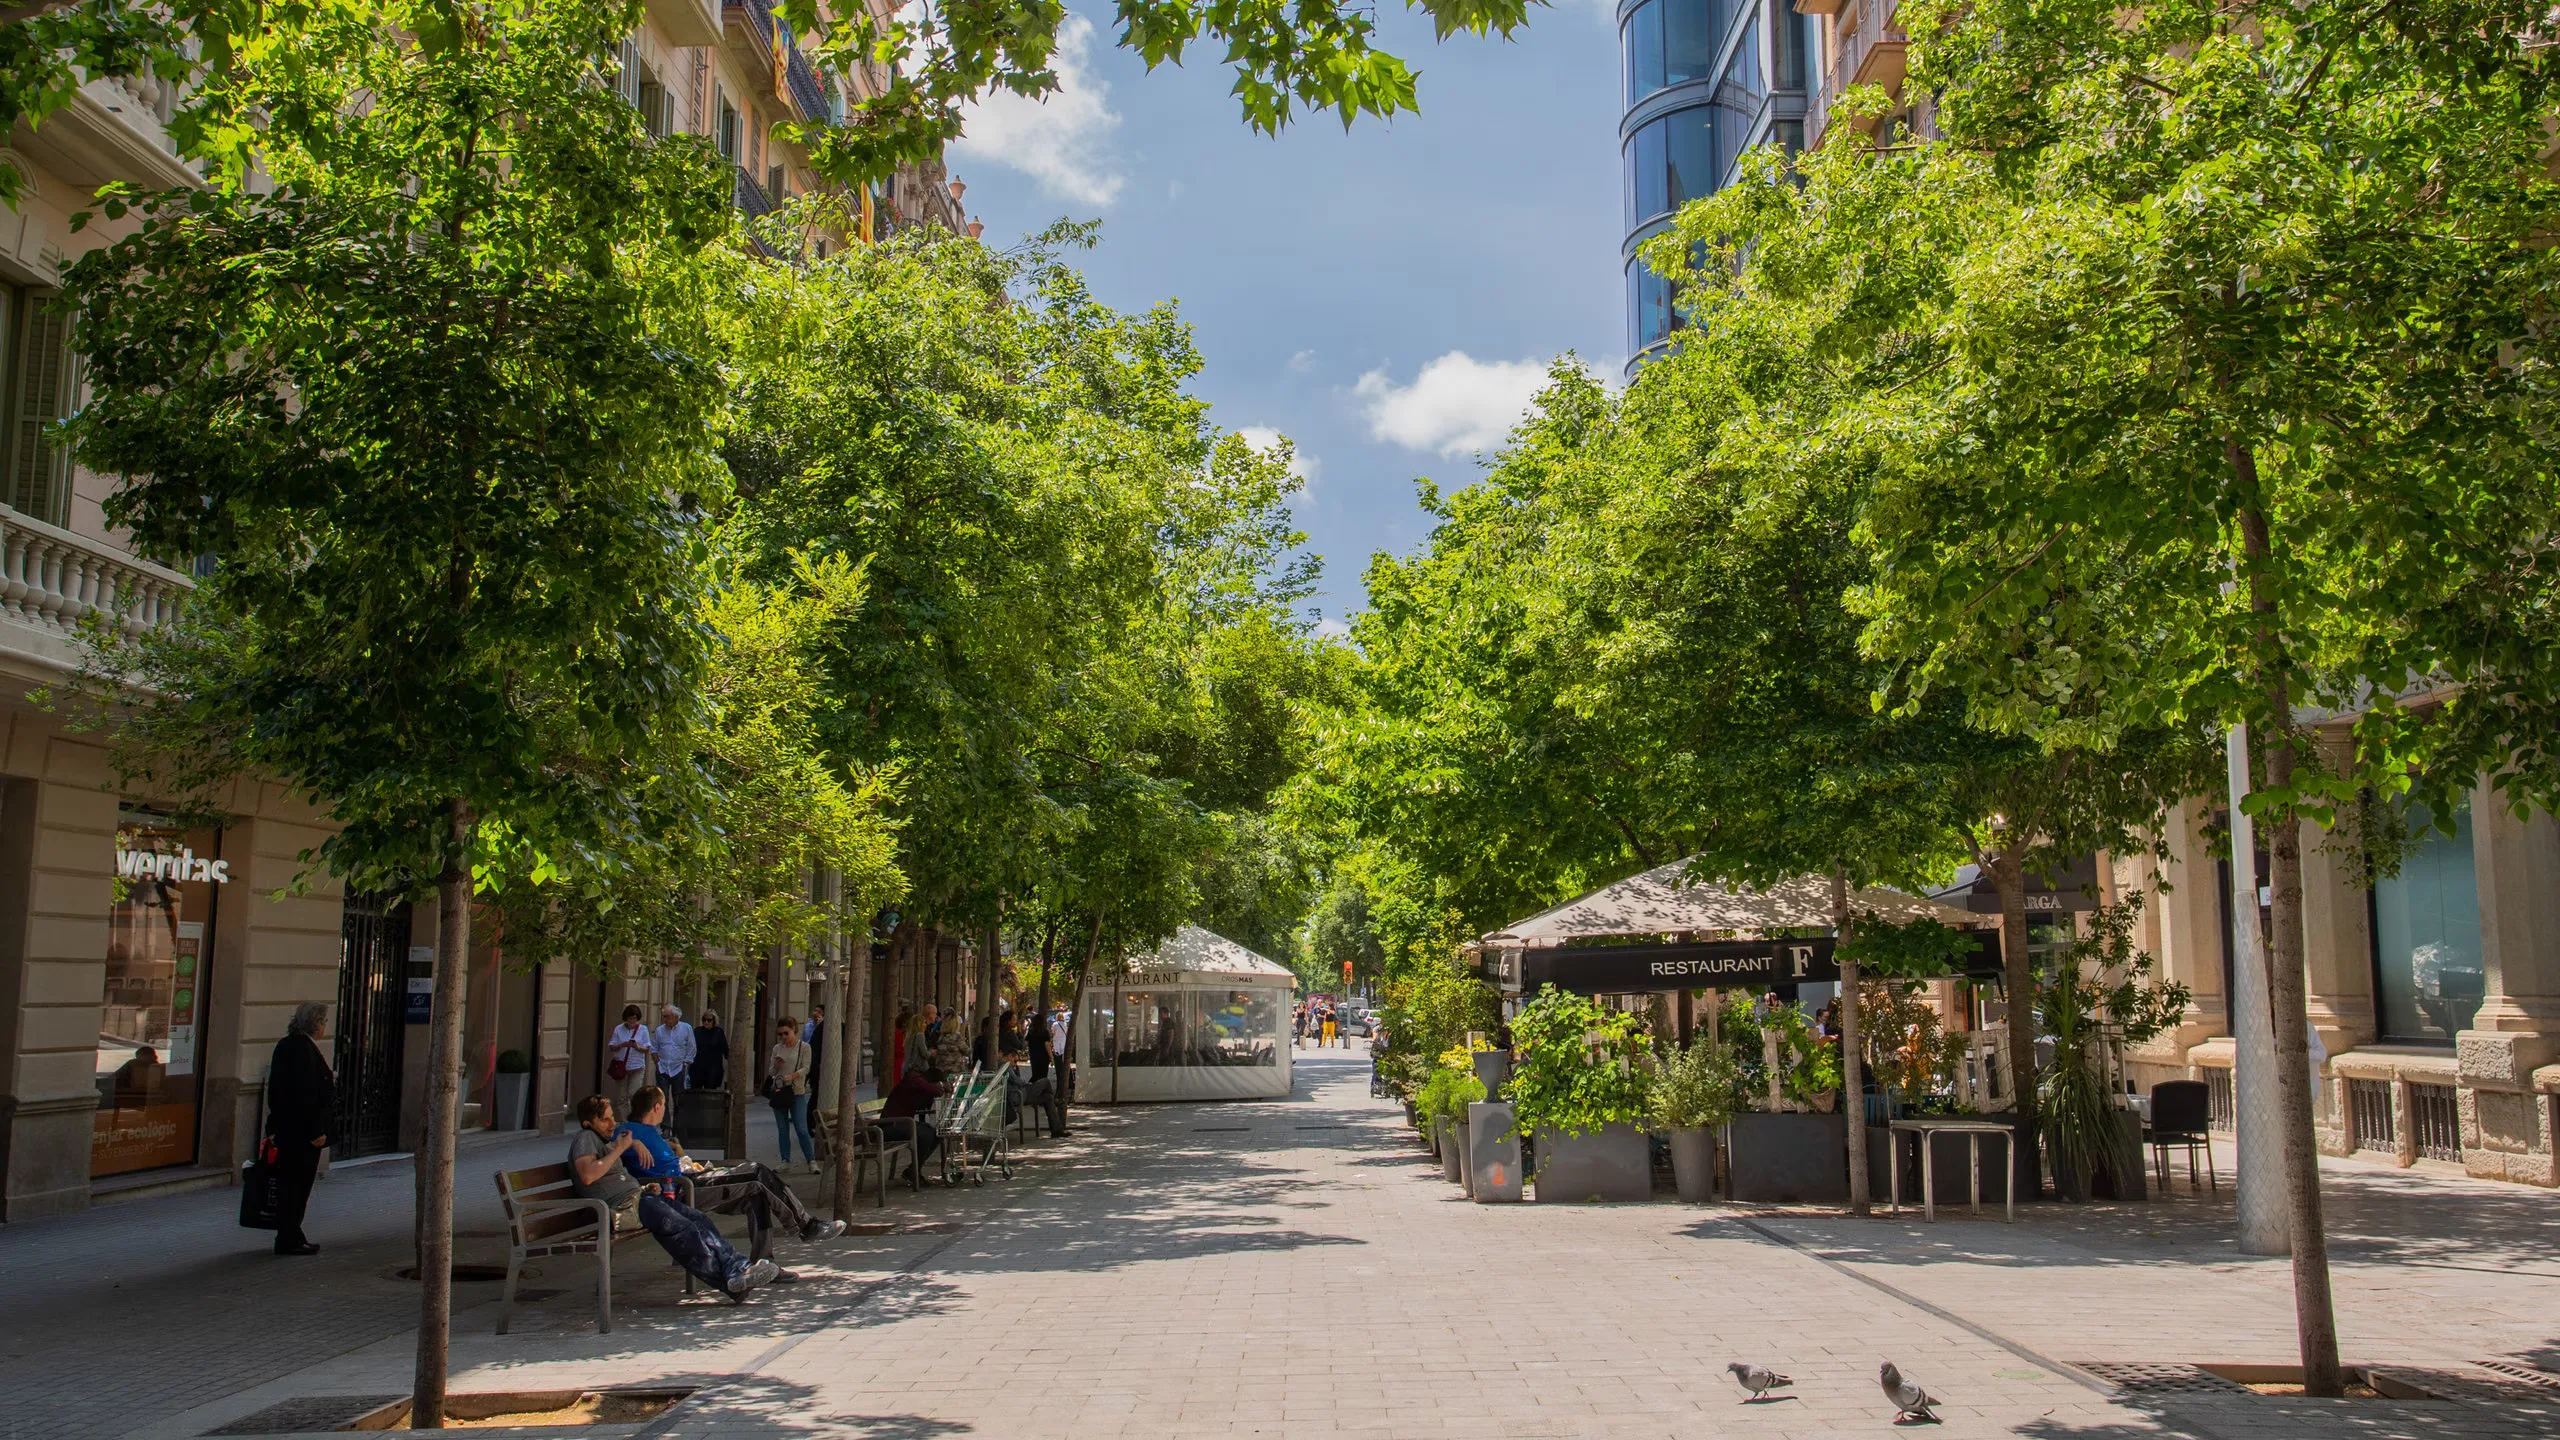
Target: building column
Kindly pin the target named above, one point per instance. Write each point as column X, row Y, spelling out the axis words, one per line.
column 551, row 1064
column 2184, row 921
column 57, row 860
column 2506, row 1126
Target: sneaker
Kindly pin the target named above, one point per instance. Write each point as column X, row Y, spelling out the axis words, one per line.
column 758, row 1273
column 822, row 1230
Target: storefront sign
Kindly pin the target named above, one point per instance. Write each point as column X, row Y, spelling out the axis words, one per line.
column 160, row 865
column 422, row 1000
column 1703, row 965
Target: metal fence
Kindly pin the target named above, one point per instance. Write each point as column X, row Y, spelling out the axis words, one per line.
column 2369, row 1115
column 2438, row 1122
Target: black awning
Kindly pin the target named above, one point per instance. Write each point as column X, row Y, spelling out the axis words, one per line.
column 2073, row 892
column 1702, row 965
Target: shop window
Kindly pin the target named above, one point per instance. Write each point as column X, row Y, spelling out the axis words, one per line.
column 2426, row 937
column 159, row 936
column 39, row 375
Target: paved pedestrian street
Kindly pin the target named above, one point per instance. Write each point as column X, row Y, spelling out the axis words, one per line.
column 1299, row 1268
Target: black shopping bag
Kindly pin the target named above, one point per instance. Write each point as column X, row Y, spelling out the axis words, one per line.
column 261, row 1192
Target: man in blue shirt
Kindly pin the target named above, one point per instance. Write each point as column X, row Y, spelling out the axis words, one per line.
column 748, row 1189
column 687, row 1234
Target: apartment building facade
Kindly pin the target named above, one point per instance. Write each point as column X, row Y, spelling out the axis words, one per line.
column 147, row 969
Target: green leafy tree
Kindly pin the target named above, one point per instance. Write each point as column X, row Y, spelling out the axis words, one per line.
column 432, row 405
column 2225, row 374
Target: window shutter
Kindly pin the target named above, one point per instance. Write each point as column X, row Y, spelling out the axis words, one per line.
column 38, row 470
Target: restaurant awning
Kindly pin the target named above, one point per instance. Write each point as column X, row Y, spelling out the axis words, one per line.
column 1659, row 931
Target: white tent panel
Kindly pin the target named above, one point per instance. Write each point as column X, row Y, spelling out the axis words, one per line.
column 1201, row 1018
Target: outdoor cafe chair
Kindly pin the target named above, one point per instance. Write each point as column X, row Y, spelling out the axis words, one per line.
column 2181, row 1119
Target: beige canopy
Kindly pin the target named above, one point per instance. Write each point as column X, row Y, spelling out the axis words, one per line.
column 1663, row 901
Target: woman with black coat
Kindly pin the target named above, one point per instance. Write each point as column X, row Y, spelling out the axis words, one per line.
column 302, row 1096
column 710, row 1054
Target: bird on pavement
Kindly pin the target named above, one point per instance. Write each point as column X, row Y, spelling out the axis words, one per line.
column 1759, row 1380
column 1910, row 1402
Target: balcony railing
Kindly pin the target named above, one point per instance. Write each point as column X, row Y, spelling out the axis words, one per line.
column 1869, row 49
column 52, row 580
column 806, row 93
column 759, row 17
column 752, row 201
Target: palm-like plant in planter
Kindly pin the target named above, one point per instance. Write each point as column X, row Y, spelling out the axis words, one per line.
column 1693, row 1098
column 2098, row 998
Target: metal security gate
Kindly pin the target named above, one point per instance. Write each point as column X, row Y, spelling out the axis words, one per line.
column 373, row 940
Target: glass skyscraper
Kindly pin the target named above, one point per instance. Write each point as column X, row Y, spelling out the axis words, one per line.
column 1705, row 80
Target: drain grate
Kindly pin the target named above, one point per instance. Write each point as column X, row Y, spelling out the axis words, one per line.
column 2521, row 1371
column 2144, row 1378
column 307, row 1413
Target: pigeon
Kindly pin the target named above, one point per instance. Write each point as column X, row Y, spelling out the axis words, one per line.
column 1759, row 1380
column 1910, row 1402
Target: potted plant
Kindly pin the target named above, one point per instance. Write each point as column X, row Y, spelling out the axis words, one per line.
column 513, row 1085
column 2097, row 998
column 1578, row 1089
column 1446, row 1093
column 1692, row 1099
column 1781, row 1149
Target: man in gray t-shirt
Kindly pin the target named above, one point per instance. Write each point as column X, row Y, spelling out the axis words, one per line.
column 596, row 1172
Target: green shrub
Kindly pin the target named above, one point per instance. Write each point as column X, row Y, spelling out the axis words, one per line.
column 1580, row 1067
column 1694, row 1089
column 1448, row 1090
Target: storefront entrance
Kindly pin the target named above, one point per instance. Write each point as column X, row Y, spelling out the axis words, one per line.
column 372, row 1023
column 159, row 936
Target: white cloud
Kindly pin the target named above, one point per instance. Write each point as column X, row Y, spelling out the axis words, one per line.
column 1062, row 141
column 1330, row 627
column 1302, row 363
column 1263, row 437
column 1456, row 405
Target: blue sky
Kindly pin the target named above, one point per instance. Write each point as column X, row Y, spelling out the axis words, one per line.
column 1385, row 298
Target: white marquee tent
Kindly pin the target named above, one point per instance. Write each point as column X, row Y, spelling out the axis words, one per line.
column 1199, row 1018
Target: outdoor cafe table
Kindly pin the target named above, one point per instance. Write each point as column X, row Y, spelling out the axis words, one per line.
column 1924, row 1130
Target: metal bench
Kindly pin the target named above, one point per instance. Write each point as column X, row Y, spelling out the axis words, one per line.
column 546, row 1216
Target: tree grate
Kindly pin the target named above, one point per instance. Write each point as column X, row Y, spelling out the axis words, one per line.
column 305, row 1414
column 2146, row 1378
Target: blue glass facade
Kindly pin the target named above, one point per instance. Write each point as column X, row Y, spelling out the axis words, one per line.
column 1697, row 82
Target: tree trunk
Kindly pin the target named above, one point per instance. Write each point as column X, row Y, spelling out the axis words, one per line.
column 2288, row 1003
column 1853, row 1099
column 733, row 1135
column 1048, row 957
column 851, row 976
column 2007, row 866
column 444, row 1115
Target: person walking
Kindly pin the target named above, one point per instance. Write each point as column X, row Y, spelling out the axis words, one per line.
column 302, row 1096
column 786, row 1088
column 626, row 1057
column 674, row 1042
column 813, row 1033
column 1332, row 1025
column 710, row 1053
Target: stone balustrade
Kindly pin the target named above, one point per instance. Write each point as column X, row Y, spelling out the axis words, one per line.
column 52, row 580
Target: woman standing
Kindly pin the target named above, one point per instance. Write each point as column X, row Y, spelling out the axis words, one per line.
column 786, row 1087
column 302, row 1095
column 710, row 1053
column 626, row 1059
column 897, row 1048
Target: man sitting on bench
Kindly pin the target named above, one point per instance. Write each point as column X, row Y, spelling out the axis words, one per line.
column 747, row 1188
column 909, row 1102
column 595, row 1155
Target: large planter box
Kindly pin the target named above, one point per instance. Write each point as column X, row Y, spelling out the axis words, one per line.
column 513, row 1091
column 1612, row 1163
column 1493, row 1154
column 702, row 1120
column 1453, row 1152
column 1789, row 1159
column 2130, row 1179
column 1493, row 1071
